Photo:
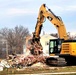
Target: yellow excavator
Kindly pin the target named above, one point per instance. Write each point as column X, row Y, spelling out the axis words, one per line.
column 62, row 51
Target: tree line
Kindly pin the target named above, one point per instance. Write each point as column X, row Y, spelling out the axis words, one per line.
column 14, row 38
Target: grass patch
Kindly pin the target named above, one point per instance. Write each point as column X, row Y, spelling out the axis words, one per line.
column 33, row 70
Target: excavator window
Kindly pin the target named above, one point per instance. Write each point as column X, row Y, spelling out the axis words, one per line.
column 55, row 46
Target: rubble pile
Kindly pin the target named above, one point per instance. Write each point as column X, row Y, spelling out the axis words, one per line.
column 33, row 55
column 24, row 61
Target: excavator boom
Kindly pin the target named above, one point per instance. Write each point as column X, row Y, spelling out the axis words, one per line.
column 44, row 12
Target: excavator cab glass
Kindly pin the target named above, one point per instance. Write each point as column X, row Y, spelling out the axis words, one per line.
column 55, row 46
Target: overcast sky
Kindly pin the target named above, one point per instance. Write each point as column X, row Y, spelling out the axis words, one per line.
column 25, row 12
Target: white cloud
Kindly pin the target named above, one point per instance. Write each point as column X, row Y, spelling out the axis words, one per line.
column 16, row 11
column 57, row 8
column 63, row 9
column 71, row 8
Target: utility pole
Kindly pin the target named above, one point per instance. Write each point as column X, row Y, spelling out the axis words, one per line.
column 6, row 50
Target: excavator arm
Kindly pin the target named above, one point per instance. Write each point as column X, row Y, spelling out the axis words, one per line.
column 44, row 12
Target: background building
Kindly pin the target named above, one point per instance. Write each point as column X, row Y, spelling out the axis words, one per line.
column 45, row 42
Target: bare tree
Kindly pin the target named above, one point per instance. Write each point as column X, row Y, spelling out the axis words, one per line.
column 55, row 35
column 15, row 38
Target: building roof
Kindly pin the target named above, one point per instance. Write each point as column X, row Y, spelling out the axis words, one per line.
column 48, row 36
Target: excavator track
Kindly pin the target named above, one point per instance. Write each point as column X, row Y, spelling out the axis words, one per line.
column 56, row 61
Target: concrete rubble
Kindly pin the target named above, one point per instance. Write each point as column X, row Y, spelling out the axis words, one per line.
column 4, row 64
column 23, row 60
column 27, row 59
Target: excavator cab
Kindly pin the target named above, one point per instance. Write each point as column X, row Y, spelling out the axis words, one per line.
column 55, row 46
